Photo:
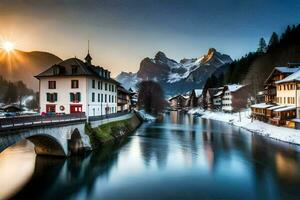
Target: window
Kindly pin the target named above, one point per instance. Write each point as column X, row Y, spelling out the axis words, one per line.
column 74, row 69
column 101, row 97
column 105, row 98
column 112, row 88
column 51, row 97
column 93, row 83
column 74, row 84
column 56, row 70
column 75, row 97
column 109, row 98
column 105, row 86
column 98, row 97
column 109, row 88
column 51, row 84
column 93, row 97
column 98, row 85
column 101, row 85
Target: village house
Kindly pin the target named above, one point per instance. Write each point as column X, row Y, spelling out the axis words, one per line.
column 288, row 97
column 73, row 86
column 277, row 74
column 283, row 109
column 235, row 97
column 178, row 102
column 213, row 98
column 195, row 98
column 124, row 99
column 133, row 98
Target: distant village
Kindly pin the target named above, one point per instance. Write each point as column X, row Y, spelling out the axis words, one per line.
column 278, row 104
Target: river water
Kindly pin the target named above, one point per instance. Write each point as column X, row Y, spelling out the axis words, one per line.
column 182, row 157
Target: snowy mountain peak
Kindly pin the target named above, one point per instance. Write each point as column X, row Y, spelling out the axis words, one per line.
column 184, row 75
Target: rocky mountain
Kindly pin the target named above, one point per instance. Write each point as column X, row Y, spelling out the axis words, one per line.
column 176, row 77
column 19, row 65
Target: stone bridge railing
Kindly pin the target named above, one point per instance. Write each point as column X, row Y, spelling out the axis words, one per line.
column 35, row 121
column 32, row 121
column 102, row 117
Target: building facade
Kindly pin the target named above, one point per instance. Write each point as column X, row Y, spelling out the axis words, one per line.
column 277, row 74
column 213, row 98
column 283, row 108
column 178, row 102
column 196, row 98
column 73, row 86
column 235, row 97
column 124, row 99
column 288, row 96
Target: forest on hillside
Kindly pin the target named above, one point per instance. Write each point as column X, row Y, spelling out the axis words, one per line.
column 14, row 92
column 254, row 67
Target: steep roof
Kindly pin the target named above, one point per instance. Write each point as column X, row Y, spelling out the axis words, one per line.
column 178, row 96
column 284, row 70
column 234, row 87
column 293, row 77
column 288, row 69
column 198, row 92
column 122, row 89
column 213, row 91
column 82, row 69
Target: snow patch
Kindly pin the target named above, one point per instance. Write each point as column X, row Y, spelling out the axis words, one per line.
column 275, row 132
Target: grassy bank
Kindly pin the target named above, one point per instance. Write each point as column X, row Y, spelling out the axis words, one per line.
column 107, row 133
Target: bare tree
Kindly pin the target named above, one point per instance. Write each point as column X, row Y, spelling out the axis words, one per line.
column 151, row 97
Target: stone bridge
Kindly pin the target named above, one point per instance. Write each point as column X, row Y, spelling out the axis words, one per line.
column 52, row 135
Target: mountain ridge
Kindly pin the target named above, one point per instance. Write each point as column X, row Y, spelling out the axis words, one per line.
column 184, row 75
column 14, row 62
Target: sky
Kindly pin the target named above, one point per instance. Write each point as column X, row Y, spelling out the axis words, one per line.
column 123, row 32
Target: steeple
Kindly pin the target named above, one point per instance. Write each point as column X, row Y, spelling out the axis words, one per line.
column 88, row 58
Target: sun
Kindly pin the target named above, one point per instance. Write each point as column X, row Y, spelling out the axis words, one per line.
column 8, row 46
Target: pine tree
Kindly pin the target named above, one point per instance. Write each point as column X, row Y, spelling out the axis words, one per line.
column 262, row 48
column 274, row 40
column 11, row 94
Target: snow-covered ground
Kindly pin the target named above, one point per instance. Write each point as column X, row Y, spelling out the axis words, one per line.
column 279, row 133
column 147, row 117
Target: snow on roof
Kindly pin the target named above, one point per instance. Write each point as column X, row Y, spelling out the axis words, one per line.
column 287, row 108
column 296, row 120
column 261, row 105
column 234, row 87
column 218, row 93
column 293, row 77
column 198, row 92
column 178, row 96
column 287, row 69
column 277, row 107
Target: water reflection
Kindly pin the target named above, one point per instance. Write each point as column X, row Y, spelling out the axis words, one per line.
column 16, row 168
column 181, row 157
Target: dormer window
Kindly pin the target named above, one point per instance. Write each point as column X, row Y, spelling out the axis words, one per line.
column 74, row 70
column 56, row 70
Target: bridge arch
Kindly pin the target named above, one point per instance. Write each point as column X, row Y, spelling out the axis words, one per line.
column 44, row 144
column 75, row 144
column 47, row 145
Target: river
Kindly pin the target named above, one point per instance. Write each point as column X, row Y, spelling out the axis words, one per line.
column 182, row 157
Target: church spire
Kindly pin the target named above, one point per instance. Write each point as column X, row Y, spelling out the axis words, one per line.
column 88, row 58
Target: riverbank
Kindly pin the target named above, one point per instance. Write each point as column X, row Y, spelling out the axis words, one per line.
column 244, row 121
column 112, row 131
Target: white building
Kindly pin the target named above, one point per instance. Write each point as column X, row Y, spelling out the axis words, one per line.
column 288, row 92
column 234, row 97
column 74, row 86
